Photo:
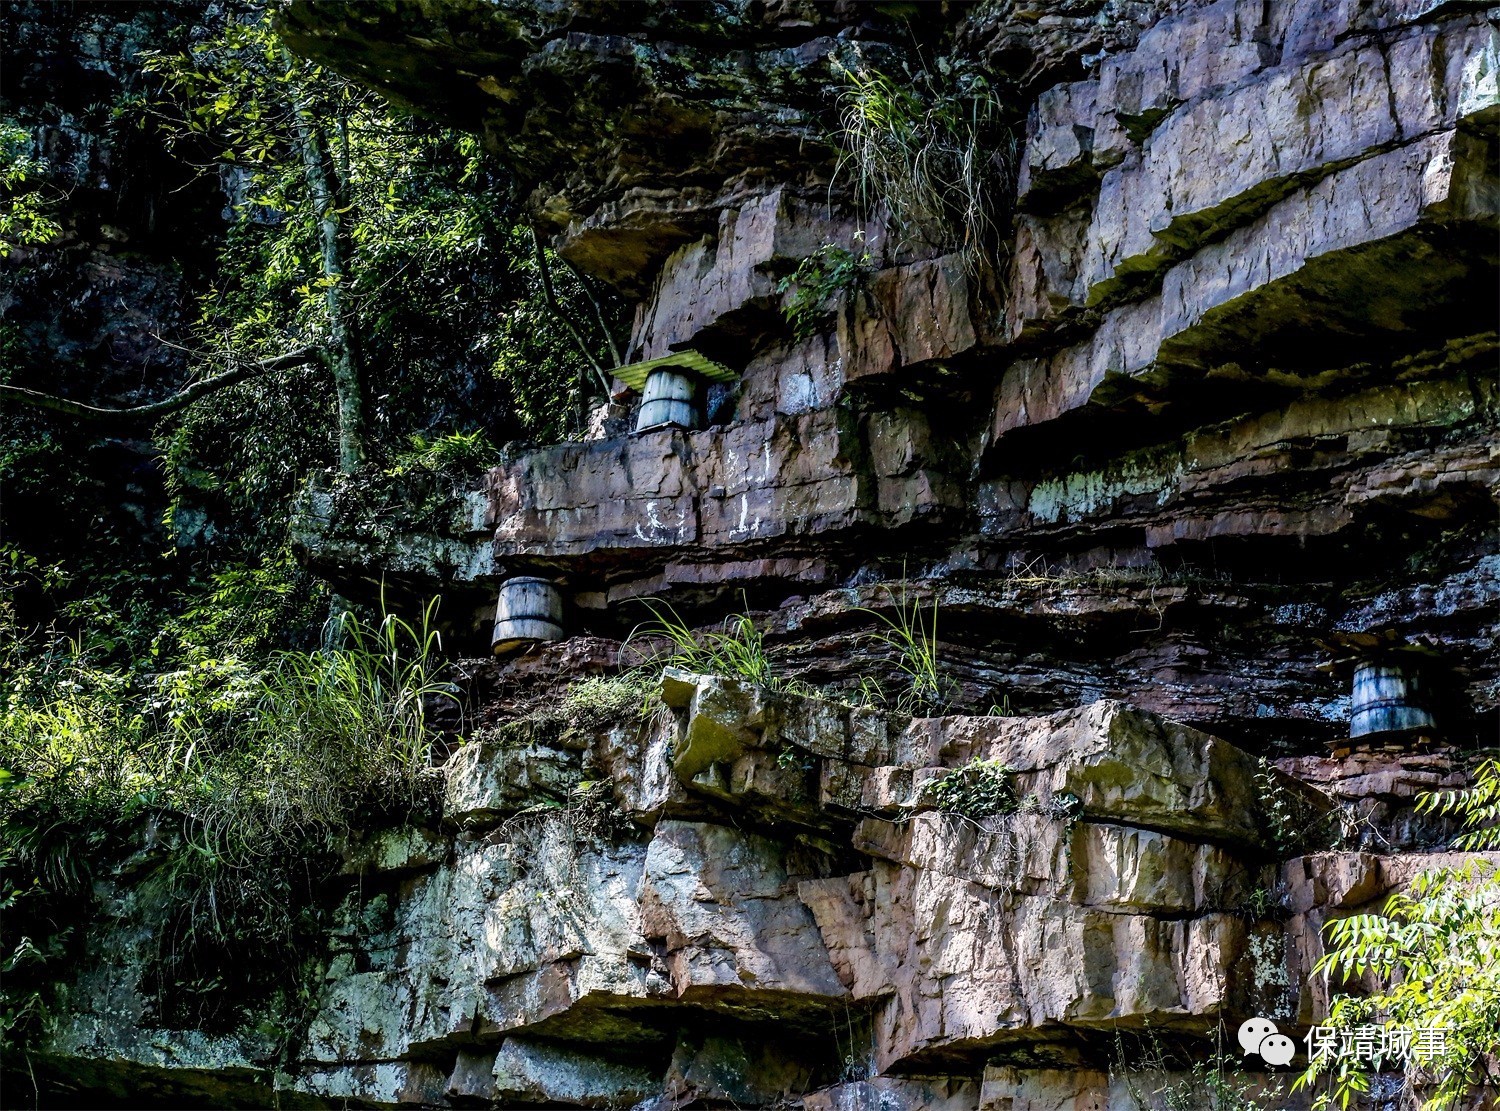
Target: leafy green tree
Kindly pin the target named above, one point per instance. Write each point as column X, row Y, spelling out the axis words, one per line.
column 365, row 247
column 367, row 214
column 1434, row 952
column 25, row 211
column 384, row 249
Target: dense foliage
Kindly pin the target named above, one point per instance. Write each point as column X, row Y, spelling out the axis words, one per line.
column 182, row 701
column 1428, row 961
column 25, row 219
column 224, row 786
column 446, row 312
column 455, row 340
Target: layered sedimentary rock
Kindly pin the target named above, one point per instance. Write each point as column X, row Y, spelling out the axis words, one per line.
column 785, row 911
column 1239, row 346
column 1214, row 422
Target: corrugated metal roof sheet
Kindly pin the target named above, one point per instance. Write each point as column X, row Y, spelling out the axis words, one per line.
column 635, row 374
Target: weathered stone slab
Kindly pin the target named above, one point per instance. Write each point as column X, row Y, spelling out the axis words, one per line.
column 963, row 970
column 1305, row 258
column 1126, row 1088
column 487, row 780
column 399, row 850
column 706, row 284
column 912, row 314
column 1106, row 761
column 1219, row 159
column 728, row 914
column 382, row 1083
column 784, row 477
column 1202, row 486
column 1121, row 765
column 536, row 1072
column 1234, row 122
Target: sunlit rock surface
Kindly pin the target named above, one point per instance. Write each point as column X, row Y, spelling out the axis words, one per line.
column 1219, row 417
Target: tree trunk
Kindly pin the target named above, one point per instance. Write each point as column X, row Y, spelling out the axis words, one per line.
column 339, row 352
column 550, row 295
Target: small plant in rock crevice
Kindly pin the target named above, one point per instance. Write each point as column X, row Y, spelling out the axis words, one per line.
column 456, row 453
column 586, row 707
column 818, row 279
column 979, row 789
column 792, row 758
column 1293, row 825
column 596, row 817
column 1263, row 903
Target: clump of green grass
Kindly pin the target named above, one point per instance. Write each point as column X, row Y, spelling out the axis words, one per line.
column 933, row 146
column 911, row 630
column 736, row 649
column 598, row 702
column 1159, row 1080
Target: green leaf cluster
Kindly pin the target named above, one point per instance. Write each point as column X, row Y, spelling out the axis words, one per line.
column 979, row 789
column 1429, row 959
column 818, row 279
column 26, row 217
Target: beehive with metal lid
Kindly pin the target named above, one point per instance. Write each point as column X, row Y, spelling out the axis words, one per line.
column 671, row 388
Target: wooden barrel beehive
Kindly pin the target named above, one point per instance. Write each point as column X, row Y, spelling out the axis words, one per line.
column 668, row 400
column 1387, row 699
column 529, row 611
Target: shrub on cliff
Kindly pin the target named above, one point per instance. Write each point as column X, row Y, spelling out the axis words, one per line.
column 226, row 787
column 1432, row 954
column 979, row 789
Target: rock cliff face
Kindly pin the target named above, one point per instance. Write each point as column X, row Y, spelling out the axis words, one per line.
column 1216, row 419
column 82, row 315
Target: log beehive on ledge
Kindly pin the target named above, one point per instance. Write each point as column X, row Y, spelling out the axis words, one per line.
column 1388, row 699
column 528, row 612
